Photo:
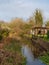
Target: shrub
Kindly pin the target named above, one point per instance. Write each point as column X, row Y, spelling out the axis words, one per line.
column 1, row 37
column 48, row 34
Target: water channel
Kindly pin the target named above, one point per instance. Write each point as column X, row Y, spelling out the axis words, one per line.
column 26, row 51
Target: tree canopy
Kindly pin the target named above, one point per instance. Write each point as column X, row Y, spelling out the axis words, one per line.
column 38, row 18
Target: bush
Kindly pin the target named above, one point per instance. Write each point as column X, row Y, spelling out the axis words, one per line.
column 5, row 32
column 1, row 37
column 48, row 34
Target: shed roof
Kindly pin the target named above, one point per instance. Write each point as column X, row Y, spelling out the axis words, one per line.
column 40, row 28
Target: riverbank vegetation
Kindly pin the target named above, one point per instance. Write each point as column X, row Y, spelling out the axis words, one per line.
column 45, row 58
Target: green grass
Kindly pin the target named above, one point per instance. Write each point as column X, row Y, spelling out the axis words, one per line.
column 46, row 39
column 45, row 58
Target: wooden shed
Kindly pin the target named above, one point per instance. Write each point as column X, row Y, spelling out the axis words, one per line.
column 40, row 30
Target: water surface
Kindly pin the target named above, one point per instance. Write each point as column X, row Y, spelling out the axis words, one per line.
column 26, row 51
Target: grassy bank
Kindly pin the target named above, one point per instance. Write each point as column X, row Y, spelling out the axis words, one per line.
column 45, row 58
column 11, row 54
column 46, row 39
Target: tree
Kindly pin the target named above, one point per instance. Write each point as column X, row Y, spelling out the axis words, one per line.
column 47, row 24
column 38, row 18
column 31, row 22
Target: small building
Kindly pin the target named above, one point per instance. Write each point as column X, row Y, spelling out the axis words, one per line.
column 40, row 30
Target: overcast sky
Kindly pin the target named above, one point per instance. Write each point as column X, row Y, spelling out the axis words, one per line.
column 22, row 8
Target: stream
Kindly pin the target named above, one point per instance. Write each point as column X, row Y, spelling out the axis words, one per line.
column 26, row 52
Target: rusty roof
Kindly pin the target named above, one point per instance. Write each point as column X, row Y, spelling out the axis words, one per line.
column 40, row 28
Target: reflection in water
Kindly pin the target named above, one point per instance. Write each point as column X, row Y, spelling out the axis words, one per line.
column 26, row 51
